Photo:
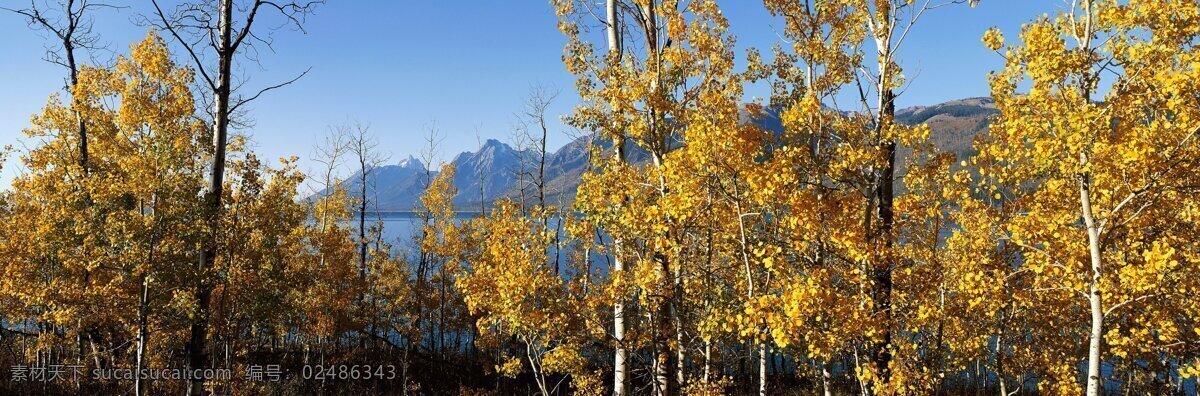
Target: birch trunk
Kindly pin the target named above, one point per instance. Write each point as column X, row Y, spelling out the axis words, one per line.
column 1095, row 338
column 362, row 229
column 362, row 215
column 663, row 367
column 81, row 125
column 620, row 355
column 1095, row 300
column 762, row 369
column 881, row 288
column 826, row 378
column 680, row 343
column 707, row 361
column 139, row 385
column 212, row 196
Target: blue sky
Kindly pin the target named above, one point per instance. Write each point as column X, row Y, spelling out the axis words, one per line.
column 401, row 66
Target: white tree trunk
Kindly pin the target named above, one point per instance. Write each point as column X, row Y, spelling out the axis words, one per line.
column 826, row 378
column 139, row 384
column 762, row 369
column 707, row 361
column 680, row 343
column 614, row 28
column 1095, row 338
column 620, row 355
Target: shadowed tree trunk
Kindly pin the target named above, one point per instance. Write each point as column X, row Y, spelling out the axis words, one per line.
column 192, row 20
column 196, row 347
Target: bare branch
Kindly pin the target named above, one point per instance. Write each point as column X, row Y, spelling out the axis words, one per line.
column 169, row 26
column 264, row 90
column 1127, row 302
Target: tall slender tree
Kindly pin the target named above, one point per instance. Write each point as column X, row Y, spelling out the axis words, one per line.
column 74, row 31
column 888, row 23
column 70, row 22
column 202, row 27
column 1095, row 157
column 620, row 354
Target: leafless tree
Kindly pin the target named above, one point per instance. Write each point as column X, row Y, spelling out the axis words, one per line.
column 431, row 156
column 533, row 117
column 70, row 24
column 535, row 125
column 367, row 156
column 330, row 154
column 522, row 142
column 205, row 28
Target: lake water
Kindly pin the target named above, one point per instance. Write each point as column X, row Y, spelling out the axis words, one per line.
column 399, row 228
column 402, row 228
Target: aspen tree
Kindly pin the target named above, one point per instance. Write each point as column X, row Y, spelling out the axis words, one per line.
column 1097, row 157
column 194, row 19
column 642, row 98
column 888, row 23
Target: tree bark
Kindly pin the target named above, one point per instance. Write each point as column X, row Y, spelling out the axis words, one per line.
column 762, row 369
column 364, row 169
column 139, row 385
column 707, row 360
column 663, row 367
column 663, row 304
column 212, row 197
column 881, row 292
column 826, row 378
column 1095, row 299
column 81, row 126
column 362, row 216
column 1000, row 364
column 620, row 355
column 680, row 342
column 442, row 311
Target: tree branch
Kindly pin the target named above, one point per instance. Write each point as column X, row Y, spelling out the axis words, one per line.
column 264, row 90
column 169, row 26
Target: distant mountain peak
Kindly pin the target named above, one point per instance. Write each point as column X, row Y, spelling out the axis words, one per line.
column 411, row 162
column 491, row 171
column 492, row 147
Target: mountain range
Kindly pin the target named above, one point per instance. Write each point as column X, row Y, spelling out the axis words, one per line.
column 491, row 172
